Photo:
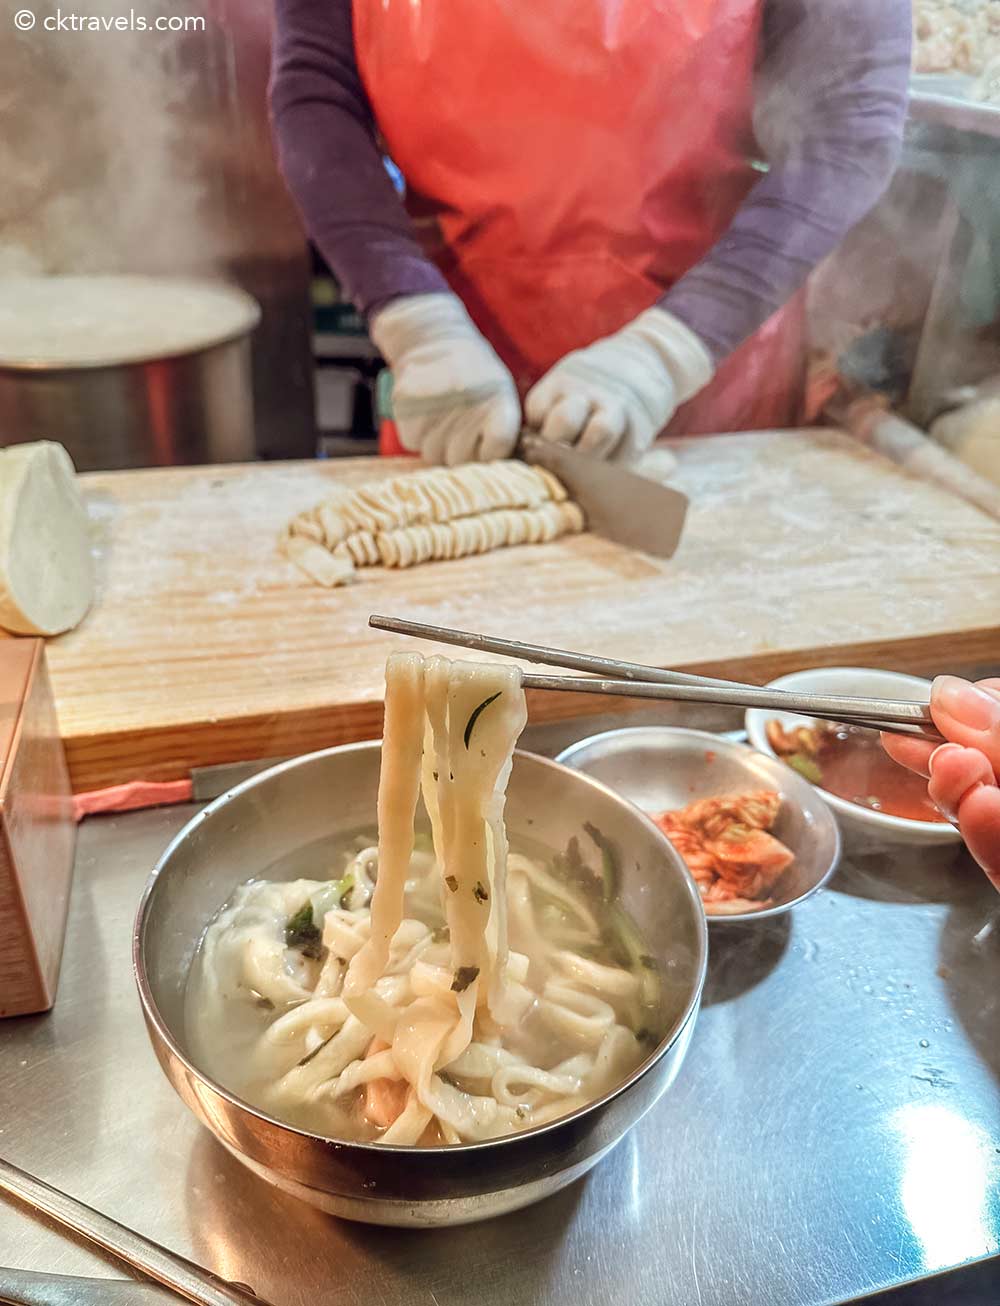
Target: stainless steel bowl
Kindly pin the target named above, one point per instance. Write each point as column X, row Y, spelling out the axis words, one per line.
column 857, row 822
column 662, row 768
column 275, row 824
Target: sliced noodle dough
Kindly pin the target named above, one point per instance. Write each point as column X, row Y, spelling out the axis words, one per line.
column 312, row 1076
column 409, row 545
column 324, row 1014
column 429, row 515
column 399, row 788
column 576, row 1016
column 548, row 1083
column 420, row 1024
column 333, row 525
column 592, row 975
column 322, row 566
column 464, row 794
column 406, row 1129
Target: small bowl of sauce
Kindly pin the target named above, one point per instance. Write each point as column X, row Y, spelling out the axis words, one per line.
column 852, row 764
column 864, row 786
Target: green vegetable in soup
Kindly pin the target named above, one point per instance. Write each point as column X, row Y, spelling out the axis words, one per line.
column 332, row 895
column 344, row 887
column 806, row 766
column 570, row 867
column 464, row 976
column 610, row 862
column 302, row 933
column 600, row 886
column 471, row 723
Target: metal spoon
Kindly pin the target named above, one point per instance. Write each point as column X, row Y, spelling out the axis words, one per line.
column 26, row 1288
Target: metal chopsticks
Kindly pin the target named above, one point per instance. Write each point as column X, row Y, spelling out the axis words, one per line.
column 634, row 680
column 185, row 1278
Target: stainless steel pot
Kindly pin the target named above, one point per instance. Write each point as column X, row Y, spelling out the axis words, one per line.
column 275, row 824
column 134, row 406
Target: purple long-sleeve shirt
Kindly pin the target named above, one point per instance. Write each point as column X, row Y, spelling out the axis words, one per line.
column 829, row 112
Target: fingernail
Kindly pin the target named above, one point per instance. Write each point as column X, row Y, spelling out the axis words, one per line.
column 973, row 706
column 941, row 748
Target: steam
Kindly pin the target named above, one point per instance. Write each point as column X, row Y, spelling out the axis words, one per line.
column 139, row 151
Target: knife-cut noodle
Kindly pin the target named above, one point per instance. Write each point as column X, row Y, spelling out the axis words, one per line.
column 438, row 989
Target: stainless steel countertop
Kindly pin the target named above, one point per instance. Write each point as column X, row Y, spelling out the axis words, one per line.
column 835, row 1129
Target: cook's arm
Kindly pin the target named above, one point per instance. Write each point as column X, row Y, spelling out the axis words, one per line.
column 453, row 399
column 325, row 131
column 831, row 104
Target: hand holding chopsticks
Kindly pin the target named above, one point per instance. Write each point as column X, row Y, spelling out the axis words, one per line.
column 634, row 680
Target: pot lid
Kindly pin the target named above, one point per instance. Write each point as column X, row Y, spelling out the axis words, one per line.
column 83, row 321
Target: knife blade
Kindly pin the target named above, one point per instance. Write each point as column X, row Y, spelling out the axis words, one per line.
column 623, row 507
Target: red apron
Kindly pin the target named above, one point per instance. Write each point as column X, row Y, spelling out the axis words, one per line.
column 567, row 161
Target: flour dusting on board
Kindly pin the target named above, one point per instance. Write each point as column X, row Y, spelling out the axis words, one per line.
column 794, row 544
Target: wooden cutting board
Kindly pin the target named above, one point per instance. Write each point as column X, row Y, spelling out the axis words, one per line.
column 206, row 646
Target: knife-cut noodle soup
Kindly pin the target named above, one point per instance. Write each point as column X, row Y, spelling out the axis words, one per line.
column 435, row 987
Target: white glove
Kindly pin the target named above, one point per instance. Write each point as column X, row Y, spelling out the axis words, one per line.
column 453, row 400
column 614, row 397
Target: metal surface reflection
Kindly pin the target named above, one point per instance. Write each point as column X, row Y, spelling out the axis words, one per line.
column 949, row 1168
column 634, row 1177
column 809, row 1152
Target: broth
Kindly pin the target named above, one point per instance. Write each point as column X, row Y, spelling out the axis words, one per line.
column 588, row 1012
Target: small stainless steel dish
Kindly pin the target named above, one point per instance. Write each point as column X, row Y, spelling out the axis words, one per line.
column 662, row 768
column 276, row 824
column 856, row 821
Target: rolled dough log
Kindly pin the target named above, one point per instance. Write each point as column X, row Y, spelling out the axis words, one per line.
column 46, row 568
column 972, row 433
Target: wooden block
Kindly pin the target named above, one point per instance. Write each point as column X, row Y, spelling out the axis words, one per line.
column 37, row 832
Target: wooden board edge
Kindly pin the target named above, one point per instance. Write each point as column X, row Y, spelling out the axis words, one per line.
column 97, row 761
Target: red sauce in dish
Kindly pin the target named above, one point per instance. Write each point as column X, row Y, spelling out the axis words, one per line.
column 855, row 766
column 851, row 763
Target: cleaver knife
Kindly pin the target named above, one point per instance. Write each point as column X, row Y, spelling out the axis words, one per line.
column 618, row 504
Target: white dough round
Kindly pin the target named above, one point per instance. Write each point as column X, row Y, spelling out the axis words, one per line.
column 46, row 568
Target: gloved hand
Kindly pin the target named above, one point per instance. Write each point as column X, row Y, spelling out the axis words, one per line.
column 614, row 397
column 453, row 400
column 964, row 773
